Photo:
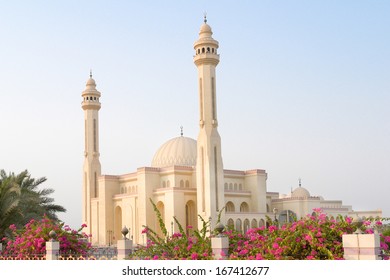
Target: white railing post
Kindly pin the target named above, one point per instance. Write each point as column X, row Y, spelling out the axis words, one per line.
column 124, row 246
column 52, row 247
column 220, row 244
column 359, row 246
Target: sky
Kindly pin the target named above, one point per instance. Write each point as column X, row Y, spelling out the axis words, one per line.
column 303, row 90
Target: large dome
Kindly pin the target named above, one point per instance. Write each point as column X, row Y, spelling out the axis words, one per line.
column 177, row 151
column 300, row 193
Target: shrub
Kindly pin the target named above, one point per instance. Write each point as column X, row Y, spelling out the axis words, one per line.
column 31, row 241
column 179, row 246
column 315, row 237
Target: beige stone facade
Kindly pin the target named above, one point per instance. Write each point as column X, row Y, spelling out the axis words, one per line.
column 186, row 178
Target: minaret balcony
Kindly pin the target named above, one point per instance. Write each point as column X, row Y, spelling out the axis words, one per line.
column 89, row 105
column 206, row 58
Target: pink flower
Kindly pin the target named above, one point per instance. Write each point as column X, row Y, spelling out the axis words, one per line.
column 194, row 256
column 243, row 252
column 189, row 227
column 259, row 256
column 12, row 227
column 378, row 223
column 366, row 223
column 189, row 247
column 384, row 246
column 308, row 237
column 272, row 228
column 145, row 230
column 275, row 245
column 155, row 257
column 83, row 225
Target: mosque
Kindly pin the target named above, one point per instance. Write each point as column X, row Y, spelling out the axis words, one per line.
column 186, row 177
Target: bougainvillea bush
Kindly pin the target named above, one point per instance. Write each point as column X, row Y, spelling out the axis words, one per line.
column 315, row 237
column 30, row 241
column 185, row 244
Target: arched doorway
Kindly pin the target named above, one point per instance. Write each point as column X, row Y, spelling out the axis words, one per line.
column 191, row 223
column 113, row 237
column 161, row 208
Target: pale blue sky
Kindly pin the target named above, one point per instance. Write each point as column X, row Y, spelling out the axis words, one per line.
column 303, row 90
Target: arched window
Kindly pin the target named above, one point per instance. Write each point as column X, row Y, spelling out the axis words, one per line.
column 181, row 184
column 203, row 50
column 208, row 49
column 267, row 208
column 230, row 186
column 261, row 223
column 168, row 184
column 230, row 207
column 235, row 186
column 240, row 187
column 254, row 223
column 246, row 225
column 287, row 216
column 164, row 184
column 244, row 207
column 230, row 224
column 239, row 225
column 187, row 184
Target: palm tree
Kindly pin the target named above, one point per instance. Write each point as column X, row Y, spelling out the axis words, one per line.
column 21, row 200
column 9, row 201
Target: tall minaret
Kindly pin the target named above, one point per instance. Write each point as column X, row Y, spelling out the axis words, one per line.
column 92, row 168
column 209, row 166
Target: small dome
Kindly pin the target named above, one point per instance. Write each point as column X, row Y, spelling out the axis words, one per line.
column 205, row 28
column 300, row 193
column 91, row 82
column 177, row 151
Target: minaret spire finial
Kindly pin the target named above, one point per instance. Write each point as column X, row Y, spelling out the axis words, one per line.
column 300, row 182
column 90, row 73
column 181, row 130
column 205, row 17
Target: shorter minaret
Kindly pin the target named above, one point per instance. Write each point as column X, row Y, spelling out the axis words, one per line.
column 92, row 168
column 209, row 166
